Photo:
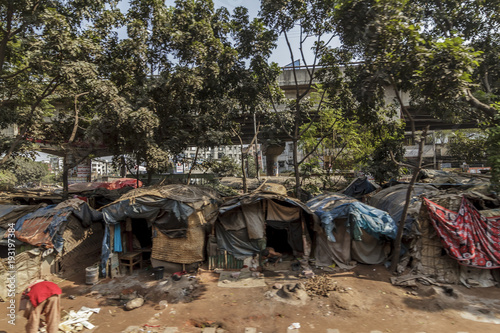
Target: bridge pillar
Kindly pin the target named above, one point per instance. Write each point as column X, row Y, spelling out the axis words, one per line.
column 272, row 152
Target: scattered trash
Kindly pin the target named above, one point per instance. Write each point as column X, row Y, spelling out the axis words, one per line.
column 308, row 273
column 71, row 297
column 294, row 326
column 177, row 275
column 134, row 304
column 277, row 286
column 163, row 304
column 411, row 280
column 75, row 321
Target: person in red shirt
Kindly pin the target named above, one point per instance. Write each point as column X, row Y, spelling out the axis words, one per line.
column 42, row 297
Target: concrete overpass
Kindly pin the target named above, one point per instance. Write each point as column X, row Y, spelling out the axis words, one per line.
column 289, row 82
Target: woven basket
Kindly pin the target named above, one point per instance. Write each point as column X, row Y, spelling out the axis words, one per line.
column 181, row 250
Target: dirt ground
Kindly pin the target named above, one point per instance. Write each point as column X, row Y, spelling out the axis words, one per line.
column 364, row 300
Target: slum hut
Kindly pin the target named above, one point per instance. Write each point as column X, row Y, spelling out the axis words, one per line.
column 166, row 224
column 425, row 253
column 351, row 231
column 392, row 200
column 53, row 239
column 252, row 222
column 360, row 187
column 472, row 215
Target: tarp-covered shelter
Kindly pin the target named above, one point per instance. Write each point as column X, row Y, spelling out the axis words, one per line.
column 350, row 231
column 467, row 236
column 10, row 213
column 53, row 239
column 392, row 200
column 471, row 213
column 170, row 221
column 267, row 217
column 425, row 253
column 360, row 187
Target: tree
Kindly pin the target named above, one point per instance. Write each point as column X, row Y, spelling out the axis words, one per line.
column 313, row 20
column 188, row 72
column 430, row 51
column 339, row 77
column 467, row 146
column 51, row 55
column 26, row 170
column 45, row 54
column 225, row 167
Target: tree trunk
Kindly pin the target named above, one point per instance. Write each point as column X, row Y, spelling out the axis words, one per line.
column 123, row 168
column 137, row 173
column 416, row 171
column 65, row 177
column 256, row 145
column 243, row 171
column 296, row 169
column 150, row 175
column 192, row 165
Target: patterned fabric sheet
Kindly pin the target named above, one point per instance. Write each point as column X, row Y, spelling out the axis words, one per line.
column 467, row 236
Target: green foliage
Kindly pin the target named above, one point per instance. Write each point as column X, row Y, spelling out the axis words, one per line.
column 7, row 179
column 444, row 73
column 192, row 69
column 252, row 168
column 380, row 165
column 26, row 170
column 225, row 167
column 48, row 55
column 467, row 146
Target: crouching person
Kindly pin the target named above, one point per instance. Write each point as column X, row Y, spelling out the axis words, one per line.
column 42, row 297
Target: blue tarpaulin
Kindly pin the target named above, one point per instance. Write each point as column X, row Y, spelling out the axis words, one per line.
column 358, row 216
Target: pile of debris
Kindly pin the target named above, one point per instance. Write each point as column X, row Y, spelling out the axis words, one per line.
column 322, row 285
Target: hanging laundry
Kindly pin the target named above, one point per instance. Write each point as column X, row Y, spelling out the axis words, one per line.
column 118, row 239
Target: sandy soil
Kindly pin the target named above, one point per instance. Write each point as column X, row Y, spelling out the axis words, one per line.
column 364, row 300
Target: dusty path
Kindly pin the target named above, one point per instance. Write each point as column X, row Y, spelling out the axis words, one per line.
column 365, row 301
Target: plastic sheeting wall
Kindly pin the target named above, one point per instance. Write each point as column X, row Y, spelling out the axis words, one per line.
column 27, row 269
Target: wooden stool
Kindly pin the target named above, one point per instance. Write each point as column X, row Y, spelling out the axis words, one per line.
column 131, row 259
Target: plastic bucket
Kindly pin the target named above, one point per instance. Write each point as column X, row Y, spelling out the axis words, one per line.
column 91, row 275
column 158, row 272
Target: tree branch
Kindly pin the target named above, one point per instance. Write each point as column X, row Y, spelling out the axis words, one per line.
column 474, row 102
column 403, row 107
column 319, row 142
column 75, row 127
